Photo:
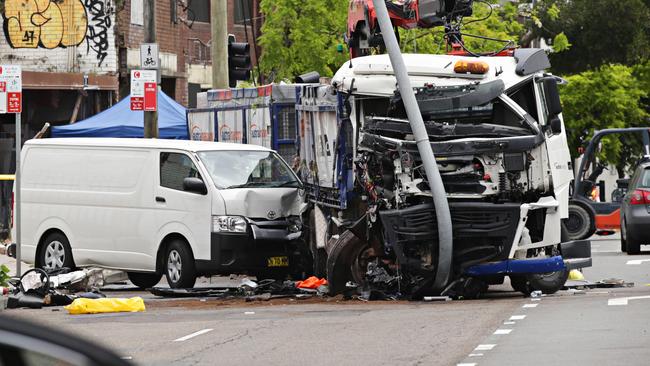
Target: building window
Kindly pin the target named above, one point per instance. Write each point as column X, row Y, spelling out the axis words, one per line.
column 243, row 11
column 174, row 168
column 199, row 10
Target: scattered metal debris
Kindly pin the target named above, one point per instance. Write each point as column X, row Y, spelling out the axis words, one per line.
column 606, row 283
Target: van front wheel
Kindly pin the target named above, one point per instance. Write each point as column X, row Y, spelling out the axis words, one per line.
column 179, row 265
column 56, row 253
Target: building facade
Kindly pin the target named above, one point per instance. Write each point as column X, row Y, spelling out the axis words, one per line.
column 183, row 32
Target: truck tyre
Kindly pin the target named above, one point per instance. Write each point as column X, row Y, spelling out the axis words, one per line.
column 548, row 283
column 55, row 253
column 144, row 280
column 632, row 244
column 179, row 265
column 580, row 224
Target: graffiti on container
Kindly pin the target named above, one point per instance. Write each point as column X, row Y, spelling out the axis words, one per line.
column 59, row 24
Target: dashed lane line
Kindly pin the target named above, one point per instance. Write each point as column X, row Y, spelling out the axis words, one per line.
column 485, row 347
column 195, row 334
column 518, row 317
column 620, row 301
column 637, row 262
column 530, row 305
column 502, row 331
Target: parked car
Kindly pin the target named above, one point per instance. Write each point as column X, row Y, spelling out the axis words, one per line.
column 148, row 207
column 635, row 211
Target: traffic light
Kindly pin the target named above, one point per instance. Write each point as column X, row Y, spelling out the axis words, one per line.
column 239, row 61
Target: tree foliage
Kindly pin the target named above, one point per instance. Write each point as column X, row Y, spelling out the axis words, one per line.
column 299, row 36
column 600, row 32
column 608, row 97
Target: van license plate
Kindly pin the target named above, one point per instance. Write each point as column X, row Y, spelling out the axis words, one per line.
column 278, row 262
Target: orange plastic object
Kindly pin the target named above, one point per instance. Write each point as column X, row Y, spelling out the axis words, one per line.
column 312, row 283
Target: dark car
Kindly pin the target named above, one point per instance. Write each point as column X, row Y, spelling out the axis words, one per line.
column 635, row 211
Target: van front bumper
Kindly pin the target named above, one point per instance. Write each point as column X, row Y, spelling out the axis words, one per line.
column 267, row 248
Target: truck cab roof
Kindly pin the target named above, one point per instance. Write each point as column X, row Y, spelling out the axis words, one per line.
column 373, row 75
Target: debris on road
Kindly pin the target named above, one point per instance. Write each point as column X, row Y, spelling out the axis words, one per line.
column 606, row 283
column 106, row 305
column 576, row 275
column 38, row 288
column 311, row 283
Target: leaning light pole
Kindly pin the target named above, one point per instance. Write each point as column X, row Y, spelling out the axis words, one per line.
column 443, row 216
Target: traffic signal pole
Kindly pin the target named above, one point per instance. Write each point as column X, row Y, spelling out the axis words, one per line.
column 219, row 21
column 150, row 118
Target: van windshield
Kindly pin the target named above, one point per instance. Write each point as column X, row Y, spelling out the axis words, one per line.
column 247, row 169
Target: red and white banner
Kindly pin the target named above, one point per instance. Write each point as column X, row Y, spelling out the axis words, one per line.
column 11, row 89
column 144, row 90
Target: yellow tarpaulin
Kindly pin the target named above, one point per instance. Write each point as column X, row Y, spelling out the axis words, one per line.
column 97, row 306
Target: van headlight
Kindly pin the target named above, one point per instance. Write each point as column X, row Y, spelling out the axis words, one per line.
column 229, row 224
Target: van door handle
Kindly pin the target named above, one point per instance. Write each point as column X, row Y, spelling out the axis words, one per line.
column 160, row 199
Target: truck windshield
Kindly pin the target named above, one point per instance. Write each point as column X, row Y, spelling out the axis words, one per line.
column 247, row 169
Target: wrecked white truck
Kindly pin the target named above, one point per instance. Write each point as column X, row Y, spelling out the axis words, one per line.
column 495, row 126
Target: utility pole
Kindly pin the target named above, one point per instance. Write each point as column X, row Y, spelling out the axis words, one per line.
column 219, row 21
column 150, row 118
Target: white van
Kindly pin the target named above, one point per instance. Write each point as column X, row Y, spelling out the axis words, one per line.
column 148, row 207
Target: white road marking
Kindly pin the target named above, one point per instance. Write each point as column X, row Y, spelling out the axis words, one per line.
column 509, row 323
column 624, row 300
column 502, row 331
column 485, row 347
column 535, row 299
column 195, row 334
column 636, row 262
column 530, row 305
column 249, row 313
column 465, row 364
column 475, row 354
column 518, row 317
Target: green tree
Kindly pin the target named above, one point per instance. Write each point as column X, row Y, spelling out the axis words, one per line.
column 609, row 97
column 600, row 32
column 299, row 36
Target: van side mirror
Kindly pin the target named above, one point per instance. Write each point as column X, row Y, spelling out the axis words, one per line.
column 552, row 97
column 556, row 125
column 194, row 185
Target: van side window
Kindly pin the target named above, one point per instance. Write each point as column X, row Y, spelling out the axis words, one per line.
column 174, row 168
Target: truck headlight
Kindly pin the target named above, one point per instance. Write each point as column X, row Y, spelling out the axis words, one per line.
column 229, row 224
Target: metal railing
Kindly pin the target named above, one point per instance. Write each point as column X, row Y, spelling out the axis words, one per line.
column 198, row 52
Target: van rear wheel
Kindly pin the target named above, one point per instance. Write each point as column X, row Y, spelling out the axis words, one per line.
column 179, row 265
column 55, row 253
column 144, row 280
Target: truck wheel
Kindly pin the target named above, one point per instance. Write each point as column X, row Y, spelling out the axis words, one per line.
column 144, row 280
column 632, row 244
column 179, row 265
column 548, row 283
column 578, row 224
column 56, row 253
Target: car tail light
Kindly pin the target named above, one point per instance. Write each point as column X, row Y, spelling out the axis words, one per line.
column 640, row 197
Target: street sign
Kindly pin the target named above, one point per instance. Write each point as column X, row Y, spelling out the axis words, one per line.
column 149, row 58
column 11, row 89
column 144, row 90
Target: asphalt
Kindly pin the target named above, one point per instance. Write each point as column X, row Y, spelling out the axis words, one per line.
column 571, row 327
column 581, row 327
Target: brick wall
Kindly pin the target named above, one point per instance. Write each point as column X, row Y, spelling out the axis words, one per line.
column 174, row 38
column 63, row 36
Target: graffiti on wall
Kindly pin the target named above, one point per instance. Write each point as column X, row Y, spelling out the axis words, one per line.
column 59, row 24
